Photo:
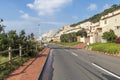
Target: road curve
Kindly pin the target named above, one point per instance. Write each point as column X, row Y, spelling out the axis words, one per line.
column 77, row 64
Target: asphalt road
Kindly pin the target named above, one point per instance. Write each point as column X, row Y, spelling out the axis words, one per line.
column 78, row 64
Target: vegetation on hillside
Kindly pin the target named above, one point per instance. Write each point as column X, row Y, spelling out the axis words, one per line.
column 97, row 17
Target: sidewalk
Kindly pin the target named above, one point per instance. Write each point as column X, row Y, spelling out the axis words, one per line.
column 31, row 69
column 79, row 46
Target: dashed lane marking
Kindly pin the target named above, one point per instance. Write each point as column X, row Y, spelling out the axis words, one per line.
column 112, row 74
column 74, row 54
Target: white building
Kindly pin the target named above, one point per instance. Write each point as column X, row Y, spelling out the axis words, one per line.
column 111, row 21
column 86, row 25
column 48, row 36
column 94, row 30
column 95, row 33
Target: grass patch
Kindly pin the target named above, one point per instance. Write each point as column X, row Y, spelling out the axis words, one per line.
column 7, row 68
column 111, row 48
column 67, row 43
column 3, row 59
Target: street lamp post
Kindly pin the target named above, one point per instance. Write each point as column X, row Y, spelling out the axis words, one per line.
column 39, row 34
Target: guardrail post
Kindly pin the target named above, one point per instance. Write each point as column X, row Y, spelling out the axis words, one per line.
column 10, row 54
column 20, row 52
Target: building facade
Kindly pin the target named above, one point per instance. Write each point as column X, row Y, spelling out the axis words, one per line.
column 111, row 21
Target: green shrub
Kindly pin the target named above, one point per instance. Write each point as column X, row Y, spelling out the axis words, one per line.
column 109, row 36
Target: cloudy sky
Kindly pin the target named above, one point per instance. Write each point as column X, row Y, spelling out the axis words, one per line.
column 39, row 16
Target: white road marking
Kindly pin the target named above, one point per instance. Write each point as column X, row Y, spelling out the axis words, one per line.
column 74, row 54
column 66, row 50
column 106, row 71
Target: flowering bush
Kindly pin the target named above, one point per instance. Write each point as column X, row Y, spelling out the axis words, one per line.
column 117, row 40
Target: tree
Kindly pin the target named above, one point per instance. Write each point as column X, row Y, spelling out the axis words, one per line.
column 22, row 38
column 3, row 41
column 14, row 40
column 82, row 33
column 12, row 37
column 1, row 26
column 109, row 36
column 71, row 37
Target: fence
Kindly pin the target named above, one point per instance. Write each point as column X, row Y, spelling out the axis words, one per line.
column 10, row 53
column 10, row 65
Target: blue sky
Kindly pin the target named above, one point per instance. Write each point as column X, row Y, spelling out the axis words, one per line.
column 39, row 16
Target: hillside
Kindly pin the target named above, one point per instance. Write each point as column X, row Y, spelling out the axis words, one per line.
column 97, row 17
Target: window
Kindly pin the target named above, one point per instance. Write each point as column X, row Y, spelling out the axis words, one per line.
column 105, row 22
column 117, row 27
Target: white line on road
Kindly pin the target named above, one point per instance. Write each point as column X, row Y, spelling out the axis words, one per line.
column 74, row 54
column 66, row 50
column 106, row 71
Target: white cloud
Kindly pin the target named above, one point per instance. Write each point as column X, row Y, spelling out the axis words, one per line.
column 31, row 19
column 19, row 25
column 26, row 16
column 106, row 6
column 48, row 7
column 92, row 7
column 75, row 17
column 21, row 11
column 30, row 26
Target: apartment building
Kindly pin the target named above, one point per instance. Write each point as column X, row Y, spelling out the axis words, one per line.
column 86, row 25
column 94, row 30
column 48, row 36
column 95, row 33
column 73, row 29
column 111, row 21
column 65, row 30
column 57, row 36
